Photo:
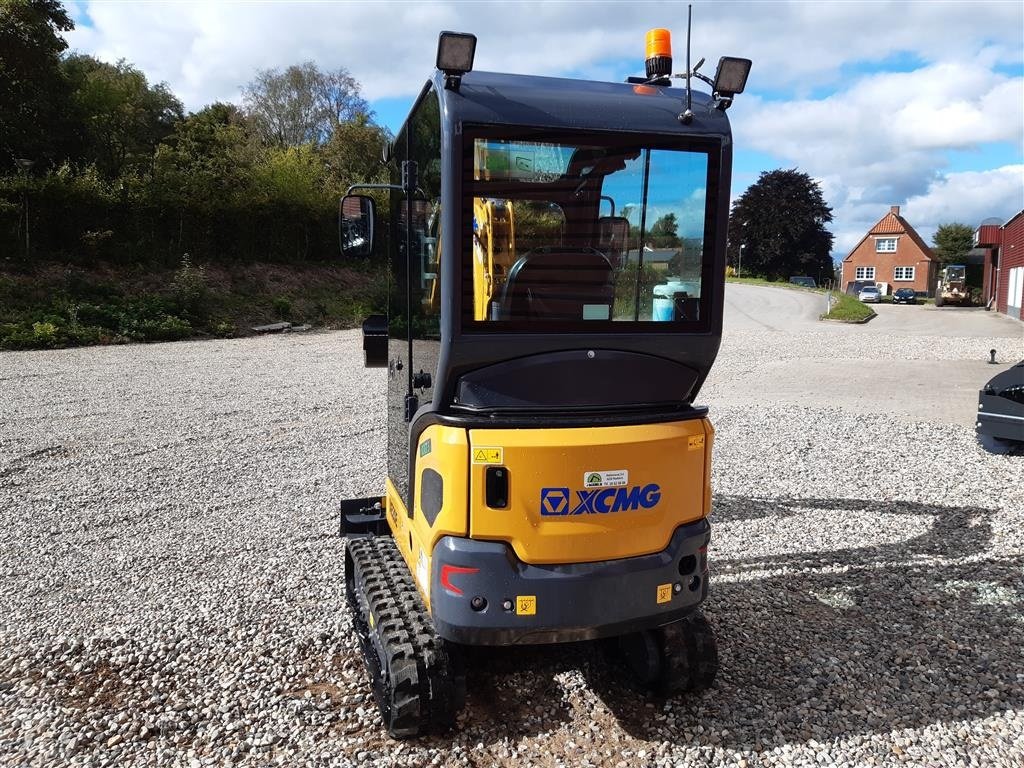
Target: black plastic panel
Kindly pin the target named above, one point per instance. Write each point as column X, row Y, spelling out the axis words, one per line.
column 496, row 487
column 579, row 378
column 431, row 494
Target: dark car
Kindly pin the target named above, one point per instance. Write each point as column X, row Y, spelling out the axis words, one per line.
column 803, row 281
column 904, row 296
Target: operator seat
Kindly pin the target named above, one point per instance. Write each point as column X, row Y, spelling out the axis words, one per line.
column 556, row 283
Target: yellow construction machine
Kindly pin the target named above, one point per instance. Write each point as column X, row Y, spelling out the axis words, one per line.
column 557, row 256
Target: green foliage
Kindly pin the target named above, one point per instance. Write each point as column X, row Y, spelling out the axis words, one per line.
column 124, row 183
column 189, row 290
column 626, row 287
column 952, row 242
column 123, row 116
column 780, row 223
column 664, row 232
column 291, row 177
column 353, row 154
column 160, row 328
column 848, row 309
column 282, row 307
column 33, row 90
column 538, row 224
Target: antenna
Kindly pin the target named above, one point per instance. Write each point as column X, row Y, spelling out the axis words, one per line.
column 687, row 117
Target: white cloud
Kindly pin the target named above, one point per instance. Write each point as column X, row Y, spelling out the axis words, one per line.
column 206, row 51
column 883, row 141
column 969, row 198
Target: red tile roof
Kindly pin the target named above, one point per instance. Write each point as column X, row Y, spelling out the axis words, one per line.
column 894, row 224
column 890, row 224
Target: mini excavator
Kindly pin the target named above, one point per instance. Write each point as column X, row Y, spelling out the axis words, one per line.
column 557, row 266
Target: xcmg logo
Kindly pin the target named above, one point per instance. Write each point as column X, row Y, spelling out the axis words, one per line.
column 558, row 501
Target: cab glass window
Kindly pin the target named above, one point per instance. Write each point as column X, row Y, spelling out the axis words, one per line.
column 595, row 234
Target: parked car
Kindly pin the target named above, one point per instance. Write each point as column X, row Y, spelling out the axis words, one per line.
column 904, row 296
column 870, row 294
column 804, row 281
column 854, row 288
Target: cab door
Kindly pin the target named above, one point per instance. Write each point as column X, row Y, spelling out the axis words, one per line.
column 414, row 301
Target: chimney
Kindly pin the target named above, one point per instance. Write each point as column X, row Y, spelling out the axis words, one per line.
column 894, row 210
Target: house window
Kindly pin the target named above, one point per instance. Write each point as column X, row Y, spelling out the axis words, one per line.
column 865, row 273
column 885, row 245
column 903, row 273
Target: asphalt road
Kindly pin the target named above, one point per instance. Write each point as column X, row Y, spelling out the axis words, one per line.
column 918, row 362
column 755, row 307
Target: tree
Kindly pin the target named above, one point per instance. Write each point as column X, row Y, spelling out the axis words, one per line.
column 207, row 162
column 123, row 117
column 779, row 223
column 33, row 89
column 952, row 242
column 302, row 104
column 354, row 153
column 665, row 232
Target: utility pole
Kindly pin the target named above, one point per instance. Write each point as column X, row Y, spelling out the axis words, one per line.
column 25, row 165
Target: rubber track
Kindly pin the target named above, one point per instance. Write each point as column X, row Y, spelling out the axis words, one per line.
column 689, row 655
column 417, row 681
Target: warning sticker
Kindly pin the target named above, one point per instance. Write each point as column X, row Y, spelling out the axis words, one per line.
column 603, row 479
column 664, row 593
column 526, row 605
column 487, row 455
column 695, row 442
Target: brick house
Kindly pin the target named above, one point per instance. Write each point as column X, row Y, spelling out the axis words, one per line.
column 894, row 256
column 1003, row 278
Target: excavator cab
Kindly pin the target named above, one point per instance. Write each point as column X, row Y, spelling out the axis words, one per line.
column 557, row 265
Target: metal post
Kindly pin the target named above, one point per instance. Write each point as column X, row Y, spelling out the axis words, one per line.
column 739, row 268
column 25, row 165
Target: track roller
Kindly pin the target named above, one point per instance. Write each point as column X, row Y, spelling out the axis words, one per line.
column 418, row 680
column 681, row 656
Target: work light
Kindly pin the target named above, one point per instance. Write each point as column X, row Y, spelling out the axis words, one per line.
column 731, row 76
column 455, row 51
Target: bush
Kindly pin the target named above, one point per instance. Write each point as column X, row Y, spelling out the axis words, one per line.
column 282, row 308
column 224, row 330
column 190, row 290
column 105, row 316
column 163, row 328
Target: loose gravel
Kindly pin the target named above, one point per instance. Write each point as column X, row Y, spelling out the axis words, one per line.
column 171, row 581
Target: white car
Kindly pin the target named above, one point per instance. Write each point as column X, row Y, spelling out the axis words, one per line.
column 870, row 294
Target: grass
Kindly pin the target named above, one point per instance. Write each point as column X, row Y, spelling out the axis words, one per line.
column 50, row 305
column 848, row 309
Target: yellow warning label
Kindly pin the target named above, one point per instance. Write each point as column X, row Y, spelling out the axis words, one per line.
column 664, row 593
column 695, row 443
column 487, row 455
column 526, row 605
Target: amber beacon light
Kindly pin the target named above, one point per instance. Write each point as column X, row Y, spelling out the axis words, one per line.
column 659, row 53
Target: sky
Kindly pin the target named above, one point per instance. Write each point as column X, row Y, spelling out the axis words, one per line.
column 916, row 104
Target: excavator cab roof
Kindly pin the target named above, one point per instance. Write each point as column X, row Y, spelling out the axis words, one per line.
column 557, row 244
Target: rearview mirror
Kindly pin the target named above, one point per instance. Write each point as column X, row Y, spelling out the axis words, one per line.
column 355, row 225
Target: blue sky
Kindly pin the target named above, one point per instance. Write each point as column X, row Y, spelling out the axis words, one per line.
column 917, row 104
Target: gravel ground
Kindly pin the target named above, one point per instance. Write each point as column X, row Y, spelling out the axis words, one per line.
column 171, row 581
